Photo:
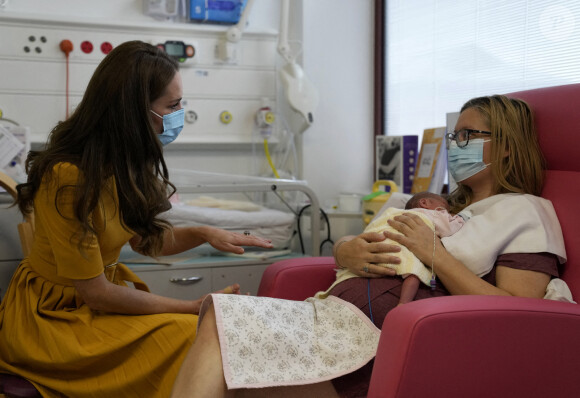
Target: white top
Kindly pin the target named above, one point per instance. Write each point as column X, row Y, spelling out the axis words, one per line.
column 503, row 224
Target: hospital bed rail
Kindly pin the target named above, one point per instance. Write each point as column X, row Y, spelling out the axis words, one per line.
column 195, row 182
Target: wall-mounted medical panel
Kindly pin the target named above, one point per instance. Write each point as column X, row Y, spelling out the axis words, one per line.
column 237, row 129
column 33, row 73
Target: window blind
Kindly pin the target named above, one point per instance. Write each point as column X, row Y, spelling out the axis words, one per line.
column 441, row 53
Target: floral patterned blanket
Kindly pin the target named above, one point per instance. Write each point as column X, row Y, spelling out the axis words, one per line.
column 268, row 342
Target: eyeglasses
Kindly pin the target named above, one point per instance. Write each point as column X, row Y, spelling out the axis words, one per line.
column 462, row 137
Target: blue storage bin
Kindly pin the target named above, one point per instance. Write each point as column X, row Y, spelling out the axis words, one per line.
column 216, row 11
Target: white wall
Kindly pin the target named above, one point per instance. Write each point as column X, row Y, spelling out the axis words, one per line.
column 338, row 58
column 337, row 55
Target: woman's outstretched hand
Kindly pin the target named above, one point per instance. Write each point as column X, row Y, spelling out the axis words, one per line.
column 362, row 253
column 232, row 242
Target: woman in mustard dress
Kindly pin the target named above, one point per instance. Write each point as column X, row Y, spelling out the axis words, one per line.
column 69, row 322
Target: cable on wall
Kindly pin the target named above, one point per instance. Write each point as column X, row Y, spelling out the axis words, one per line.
column 66, row 47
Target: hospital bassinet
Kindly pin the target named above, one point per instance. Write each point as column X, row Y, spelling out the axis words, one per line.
column 264, row 207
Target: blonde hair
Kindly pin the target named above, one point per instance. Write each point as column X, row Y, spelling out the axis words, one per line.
column 513, row 131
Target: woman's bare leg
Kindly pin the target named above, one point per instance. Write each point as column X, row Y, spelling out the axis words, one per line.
column 201, row 374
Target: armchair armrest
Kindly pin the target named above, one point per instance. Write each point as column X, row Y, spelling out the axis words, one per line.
column 479, row 346
column 297, row 278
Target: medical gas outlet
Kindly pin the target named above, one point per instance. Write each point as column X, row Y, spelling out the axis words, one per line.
column 226, row 117
column 265, row 118
column 190, row 116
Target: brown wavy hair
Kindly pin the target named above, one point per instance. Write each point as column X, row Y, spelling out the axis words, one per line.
column 110, row 134
column 511, row 122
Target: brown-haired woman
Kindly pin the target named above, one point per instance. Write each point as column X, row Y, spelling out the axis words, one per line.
column 68, row 322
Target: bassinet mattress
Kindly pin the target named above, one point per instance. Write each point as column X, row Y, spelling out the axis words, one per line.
column 261, row 221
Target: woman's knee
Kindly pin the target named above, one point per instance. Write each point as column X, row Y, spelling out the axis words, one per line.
column 207, row 322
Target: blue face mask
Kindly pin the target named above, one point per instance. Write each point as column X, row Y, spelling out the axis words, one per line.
column 172, row 126
column 467, row 161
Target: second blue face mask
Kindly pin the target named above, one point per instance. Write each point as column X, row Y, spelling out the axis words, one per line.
column 172, row 126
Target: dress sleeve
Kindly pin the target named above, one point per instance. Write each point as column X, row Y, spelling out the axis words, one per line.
column 54, row 207
column 539, row 262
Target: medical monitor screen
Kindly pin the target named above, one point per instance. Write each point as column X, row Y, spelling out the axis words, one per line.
column 175, row 49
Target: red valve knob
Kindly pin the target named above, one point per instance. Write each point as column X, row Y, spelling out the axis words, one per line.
column 66, row 47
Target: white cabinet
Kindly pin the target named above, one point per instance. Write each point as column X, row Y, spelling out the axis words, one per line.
column 193, row 282
column 248, row 276
column 191, row 277
column 187, row 283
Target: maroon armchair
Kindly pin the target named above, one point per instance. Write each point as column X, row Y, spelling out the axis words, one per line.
column 481, row 346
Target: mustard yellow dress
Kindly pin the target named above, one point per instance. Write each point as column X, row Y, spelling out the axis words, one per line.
column 49, row 336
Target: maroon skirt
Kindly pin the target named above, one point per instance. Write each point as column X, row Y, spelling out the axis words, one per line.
column 383, row 295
